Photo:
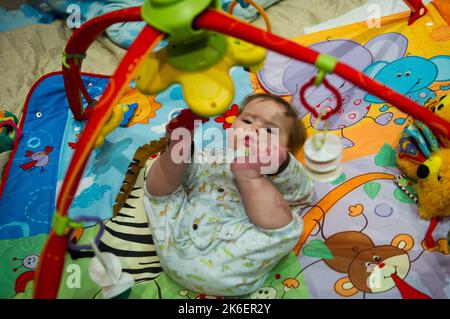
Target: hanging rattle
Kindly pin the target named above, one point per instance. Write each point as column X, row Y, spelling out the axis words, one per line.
column 104, row 268
column 323, row 151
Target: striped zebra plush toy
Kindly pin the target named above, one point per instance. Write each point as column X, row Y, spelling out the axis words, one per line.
column 127, row 234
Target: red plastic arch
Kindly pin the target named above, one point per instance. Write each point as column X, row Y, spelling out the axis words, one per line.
column 51, row 263
column 78, row 44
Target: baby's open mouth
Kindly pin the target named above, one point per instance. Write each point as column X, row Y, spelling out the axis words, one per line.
column 247, row 141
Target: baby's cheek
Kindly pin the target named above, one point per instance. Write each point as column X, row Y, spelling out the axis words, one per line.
column 272, row 141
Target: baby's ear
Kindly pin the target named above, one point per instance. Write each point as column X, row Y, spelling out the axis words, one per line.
column 345, row 288
column 403, row 241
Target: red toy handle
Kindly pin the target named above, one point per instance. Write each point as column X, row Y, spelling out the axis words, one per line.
column 185, row 119
column 429, row 241
column 418, row 9
column 311, row 108
column 47, row 280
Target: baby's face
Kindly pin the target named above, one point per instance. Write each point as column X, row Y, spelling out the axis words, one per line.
column 265, row 115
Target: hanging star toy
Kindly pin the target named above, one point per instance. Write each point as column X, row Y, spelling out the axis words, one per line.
column 202, row 69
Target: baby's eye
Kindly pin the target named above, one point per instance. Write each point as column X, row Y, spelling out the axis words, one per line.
column 247, row 121
column 268, row 130
column 273, row 130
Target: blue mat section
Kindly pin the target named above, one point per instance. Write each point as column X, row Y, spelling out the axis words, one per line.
column 50, row 135
column 28, row 199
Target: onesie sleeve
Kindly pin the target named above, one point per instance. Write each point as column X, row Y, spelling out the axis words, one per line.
column 294, row 183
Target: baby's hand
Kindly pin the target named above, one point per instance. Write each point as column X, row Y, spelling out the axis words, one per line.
column 262, row 161
column 186, row 120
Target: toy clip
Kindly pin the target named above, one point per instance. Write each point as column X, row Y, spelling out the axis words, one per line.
column 62, row 223
column 76, row 56
column 326, row 64
column 77, row 223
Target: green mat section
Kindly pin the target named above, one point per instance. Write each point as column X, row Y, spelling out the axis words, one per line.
column 284, row 281
column 18, row 261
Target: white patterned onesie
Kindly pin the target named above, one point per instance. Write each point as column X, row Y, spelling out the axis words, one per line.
column 204, row 238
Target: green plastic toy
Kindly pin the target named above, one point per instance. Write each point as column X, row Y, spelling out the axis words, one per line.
column 175, row 17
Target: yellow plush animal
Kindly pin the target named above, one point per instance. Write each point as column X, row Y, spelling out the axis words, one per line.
column 433, row 175
column 409, row 168
column 433, row 186
column 442, row 108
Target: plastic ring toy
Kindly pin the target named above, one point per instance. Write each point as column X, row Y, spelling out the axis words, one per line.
column 257, row 7
column 311, row 109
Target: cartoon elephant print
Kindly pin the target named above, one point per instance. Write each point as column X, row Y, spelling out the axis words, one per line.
column 410, row 76
column 284, row 76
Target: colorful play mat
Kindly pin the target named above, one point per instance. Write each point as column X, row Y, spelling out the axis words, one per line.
column 360, row 216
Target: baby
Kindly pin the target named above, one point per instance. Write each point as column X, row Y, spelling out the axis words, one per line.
column 220, row 228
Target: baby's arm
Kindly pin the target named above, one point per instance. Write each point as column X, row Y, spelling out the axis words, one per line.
column 294, row 183
column 264, row 204
column 267, row 198
column 165, row 175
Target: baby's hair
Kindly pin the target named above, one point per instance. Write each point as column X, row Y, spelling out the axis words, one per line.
column 297, row 134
